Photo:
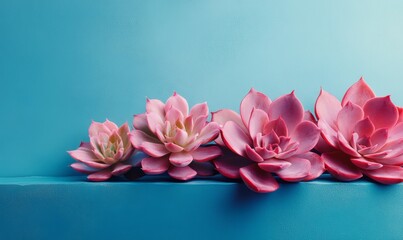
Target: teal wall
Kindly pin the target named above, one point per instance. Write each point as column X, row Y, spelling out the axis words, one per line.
column 64, row 63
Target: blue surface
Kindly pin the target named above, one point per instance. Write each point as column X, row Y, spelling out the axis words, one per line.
column 68, row 208
column 64, row 63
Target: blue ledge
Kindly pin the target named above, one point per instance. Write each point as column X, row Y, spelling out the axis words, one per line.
column 72, row 208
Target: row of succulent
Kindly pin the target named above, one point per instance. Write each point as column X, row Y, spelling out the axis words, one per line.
column 267, row 140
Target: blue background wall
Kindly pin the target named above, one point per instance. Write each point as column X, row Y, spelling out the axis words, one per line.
column 65, row 63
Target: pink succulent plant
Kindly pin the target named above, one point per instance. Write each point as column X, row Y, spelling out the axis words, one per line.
column 106, row 154
column 268, row 138
column 175, row 138
column 364, row 134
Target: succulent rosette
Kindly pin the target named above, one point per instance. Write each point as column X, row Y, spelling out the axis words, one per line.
column 364, row 134
column 175, row 138
column 106, row 154
column 268, row 137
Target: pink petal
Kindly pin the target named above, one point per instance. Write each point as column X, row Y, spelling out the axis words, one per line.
column 252, row 100
column 173, row 115
column 278, row 126
column 338, row 164
column 203, row 168
column 199, row 124
column 396, row 160
column 386, row 174
column 270, row 138
column 379, row 138
column 172, row 147
column 100, row 176
column 182, row 173
column 151, row 165
column 181, row 137
column 289, row 108
column 209, row 133
column 317, row 165
column 322, row 146
column 223, row 116
column 298, row 170
column 400, row 114
column 96, row 128
column 377, row 155
column 287, row 153
column 203, row 154
column 200, row 109
column 252, row 154
column 382, row 112
column 153, row 149
column 235, row 138
column 257, row 179
column 344, row 145
column 154, row 122
column 359, row 93
column 230, row 163
column 121, row 168
column 365, row 164
column 189, row 124
column 306, row 134
column 180, row 159
column 396, row 132
column 110, row 125
column 178, row 102
column 328, row 134
column 327, row 108
column 155, row 106
column 86, row 156
column 308, row 116
column 364, row 128
column 264, row 153
column 257, row 122
column 347, row 118
column 83, row 168
column 138, row 137
column 274, row 165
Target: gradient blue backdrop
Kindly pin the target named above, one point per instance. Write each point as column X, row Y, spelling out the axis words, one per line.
column 65, row 63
